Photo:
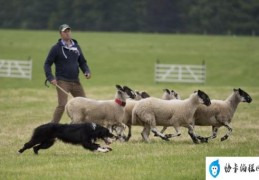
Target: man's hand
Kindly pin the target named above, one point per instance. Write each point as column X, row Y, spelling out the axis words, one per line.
column 54, row 82
column 88, row 75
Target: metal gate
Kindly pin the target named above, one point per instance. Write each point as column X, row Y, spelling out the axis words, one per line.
column 16, row 68
column 180, row 73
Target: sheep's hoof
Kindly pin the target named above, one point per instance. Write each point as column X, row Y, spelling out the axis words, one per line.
column 127, row 138
column 165, row 138
column 224, row 138
column 203, row 139
column 168, row 136
column 155, row 133
column 196, row 141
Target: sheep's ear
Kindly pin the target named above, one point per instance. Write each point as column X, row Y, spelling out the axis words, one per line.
column 235, row 90
column 241, row 92
column 138, row 93
column 167, row 91
column 119, row 87
column 145, row 95
column 202, row 94
column 129, row 92
column 175, row 94
column 195, row 91
column 127, row 89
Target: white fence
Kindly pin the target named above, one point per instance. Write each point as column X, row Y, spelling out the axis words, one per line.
column 16, row 68
column 180, row 73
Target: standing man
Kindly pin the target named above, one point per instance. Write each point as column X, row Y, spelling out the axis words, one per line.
column 67, row 56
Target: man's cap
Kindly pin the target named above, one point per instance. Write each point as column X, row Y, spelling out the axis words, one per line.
column 63, row 27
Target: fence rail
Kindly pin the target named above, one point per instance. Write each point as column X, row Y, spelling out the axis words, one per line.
column 16, row 68
column 180, row 73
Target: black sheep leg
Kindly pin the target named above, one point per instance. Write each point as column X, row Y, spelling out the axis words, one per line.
column 228, row 133
column 129, row 133
column 191, row 133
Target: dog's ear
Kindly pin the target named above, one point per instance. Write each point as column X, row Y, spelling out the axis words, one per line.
column 100, row 132
column 96, row 133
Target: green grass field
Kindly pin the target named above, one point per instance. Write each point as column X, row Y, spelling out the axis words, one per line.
column 126, row 59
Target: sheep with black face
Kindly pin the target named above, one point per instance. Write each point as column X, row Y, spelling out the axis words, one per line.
column 167, row 95
column 220, row 113
column 107, row 113
column 152, row 112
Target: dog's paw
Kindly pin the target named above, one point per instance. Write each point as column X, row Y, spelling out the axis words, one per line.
column 35, row 151
column 18, row 152
column 109, row 148
column 104, row 149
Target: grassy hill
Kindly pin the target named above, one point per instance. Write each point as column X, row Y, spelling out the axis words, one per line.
column 126, row 59
column 129, row 58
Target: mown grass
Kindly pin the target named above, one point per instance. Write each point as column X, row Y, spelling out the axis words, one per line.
column 127, row 59
column 177, row 159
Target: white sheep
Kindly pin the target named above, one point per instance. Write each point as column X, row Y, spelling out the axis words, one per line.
column 152, row 112
column 130, row 103
column 167, row 95
column 141, row 95
column 220, row 113
column 170, row 95
column 107, row 113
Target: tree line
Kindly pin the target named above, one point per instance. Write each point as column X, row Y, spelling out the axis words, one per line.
column 163, row 16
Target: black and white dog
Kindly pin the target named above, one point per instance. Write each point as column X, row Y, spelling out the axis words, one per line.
column 85, row 134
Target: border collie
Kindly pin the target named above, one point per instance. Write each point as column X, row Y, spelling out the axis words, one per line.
column 85, row 134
